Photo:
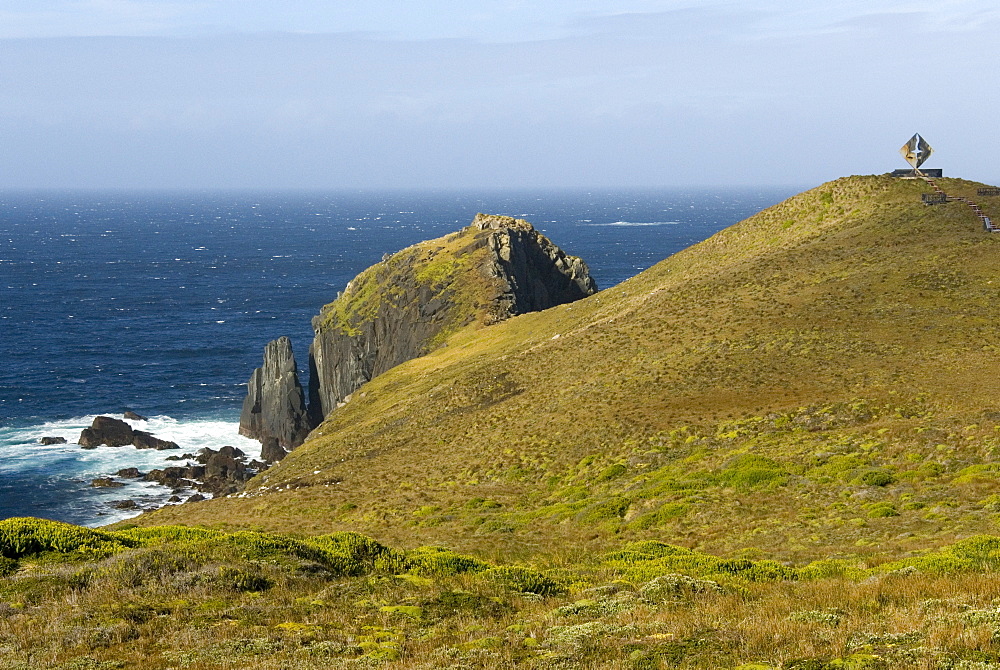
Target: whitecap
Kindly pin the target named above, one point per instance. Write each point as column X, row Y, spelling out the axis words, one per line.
column 637, row 224
column 68, row 468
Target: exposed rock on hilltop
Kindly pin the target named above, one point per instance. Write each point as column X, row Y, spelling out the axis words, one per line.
column 407, row 305
column 275, row 403
column 537, row 273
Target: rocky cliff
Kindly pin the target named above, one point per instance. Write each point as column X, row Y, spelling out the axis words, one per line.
column 412, row 301
column 275, row 404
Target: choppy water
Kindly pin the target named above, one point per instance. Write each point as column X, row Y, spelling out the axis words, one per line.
column 162, row 302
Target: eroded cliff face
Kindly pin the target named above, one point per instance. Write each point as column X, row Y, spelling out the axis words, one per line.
column 402, row 308
column 409, row 303
column 275, row 408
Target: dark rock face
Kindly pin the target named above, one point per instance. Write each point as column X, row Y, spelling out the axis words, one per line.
column 117, row 433
column 105, row 430
column 275, row 404
column 537, row 274
column 217, row 472
column 134, row 417
column 271, row 451
column 143, row 440
column 526, row 271
column 131, row 473
column 48, row 441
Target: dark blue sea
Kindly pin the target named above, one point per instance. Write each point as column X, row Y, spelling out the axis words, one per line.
column 161, row 303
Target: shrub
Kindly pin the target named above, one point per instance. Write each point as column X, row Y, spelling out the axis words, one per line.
column 613, row 508
column 611, row 472
column 238, row 579
column 877, row 477
column 24, row 536
column 751, row 470
column 8, row 566
column 880, row 510
column 671, row 587
column 355, row 554
column 522, row 580
column 441, row 561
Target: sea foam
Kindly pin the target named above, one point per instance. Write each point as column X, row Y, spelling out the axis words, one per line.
column 54, row 481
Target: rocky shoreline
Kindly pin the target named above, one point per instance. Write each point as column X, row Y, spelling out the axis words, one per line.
column 208, row 473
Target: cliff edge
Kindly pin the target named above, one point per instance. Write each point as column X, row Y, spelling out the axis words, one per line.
column 408, row 304
column 403, row 307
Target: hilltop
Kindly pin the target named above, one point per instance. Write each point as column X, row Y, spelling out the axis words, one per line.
column 775, row 449
column 816, row 380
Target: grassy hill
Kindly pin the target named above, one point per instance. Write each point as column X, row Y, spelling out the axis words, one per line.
column 818, row 380
column 775, row 449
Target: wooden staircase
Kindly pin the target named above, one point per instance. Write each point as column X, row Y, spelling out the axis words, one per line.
column 976, row 209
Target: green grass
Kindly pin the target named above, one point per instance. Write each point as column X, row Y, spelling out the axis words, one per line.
column 170, row 597
column 800, row 410
column 767, row 384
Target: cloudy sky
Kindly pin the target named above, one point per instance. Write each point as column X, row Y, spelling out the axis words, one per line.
column 490, row 93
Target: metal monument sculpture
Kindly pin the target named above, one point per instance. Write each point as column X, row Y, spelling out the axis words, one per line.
column 916, row 151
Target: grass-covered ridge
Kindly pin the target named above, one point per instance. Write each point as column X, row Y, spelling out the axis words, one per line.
column 818, row 380
column 449, row 269
column 775, row 449
column 174, row 597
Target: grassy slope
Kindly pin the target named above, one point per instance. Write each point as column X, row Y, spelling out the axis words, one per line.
column 816, row 380
column 450, row 267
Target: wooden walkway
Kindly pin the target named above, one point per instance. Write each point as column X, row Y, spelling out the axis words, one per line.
column 988, row 224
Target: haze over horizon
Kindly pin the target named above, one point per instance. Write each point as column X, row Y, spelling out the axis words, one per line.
column 386, row 94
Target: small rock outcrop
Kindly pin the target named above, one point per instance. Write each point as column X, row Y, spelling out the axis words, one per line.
column 408, row 304
column 105, row 483
column 143, row 440
column 106, row 431
column 275, row 404
column 132, row 416
column 49, row 441
column 217, row 472
column 116, row 433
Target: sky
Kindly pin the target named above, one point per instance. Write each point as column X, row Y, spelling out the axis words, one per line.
column 446, row 94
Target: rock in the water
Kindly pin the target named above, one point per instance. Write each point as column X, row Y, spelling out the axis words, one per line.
column 197, row 497
column 275, row 403
column 172, row 477
column 143, row 440
column 130, row 473
column 105, row 430
column 117, row 433
column 174, row 499
column 106, row 483
column 271, row 451
column 124, row 504
column 401, row 308
column 47, row 441
column 135, row 417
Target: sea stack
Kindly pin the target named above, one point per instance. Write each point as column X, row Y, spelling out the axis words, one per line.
column 275, row 403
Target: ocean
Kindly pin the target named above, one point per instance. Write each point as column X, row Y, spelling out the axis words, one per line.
column 162, row 302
